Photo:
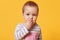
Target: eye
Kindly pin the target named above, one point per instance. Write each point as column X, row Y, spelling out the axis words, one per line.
column 28, row 14
column 34, row 14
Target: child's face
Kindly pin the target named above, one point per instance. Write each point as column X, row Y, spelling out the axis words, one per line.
column 30, row 14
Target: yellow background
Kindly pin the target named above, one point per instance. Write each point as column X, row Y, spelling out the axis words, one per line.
column 48, row 19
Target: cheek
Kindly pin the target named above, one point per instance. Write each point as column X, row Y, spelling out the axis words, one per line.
column 26, row 17
column 34, row 18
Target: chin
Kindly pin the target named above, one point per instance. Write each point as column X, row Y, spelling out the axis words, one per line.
column 34, row 23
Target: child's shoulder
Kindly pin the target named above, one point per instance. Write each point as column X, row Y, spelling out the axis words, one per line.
column 36, row 28
column 19, row 25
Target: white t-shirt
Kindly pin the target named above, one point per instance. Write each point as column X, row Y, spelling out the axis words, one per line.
column 22, row 31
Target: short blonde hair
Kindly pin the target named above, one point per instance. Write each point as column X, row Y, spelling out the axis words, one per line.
column 30, row 3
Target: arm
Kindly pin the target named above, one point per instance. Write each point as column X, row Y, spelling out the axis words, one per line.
column 20, row 32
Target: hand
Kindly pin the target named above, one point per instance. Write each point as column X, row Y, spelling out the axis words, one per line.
column 29, row 24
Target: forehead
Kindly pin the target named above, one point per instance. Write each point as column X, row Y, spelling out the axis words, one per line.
column 30, row 9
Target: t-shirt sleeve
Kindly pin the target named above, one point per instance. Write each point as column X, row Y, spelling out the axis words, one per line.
column 20, row 32
column 40, row 36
